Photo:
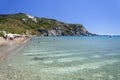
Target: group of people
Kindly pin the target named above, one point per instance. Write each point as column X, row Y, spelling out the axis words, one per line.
column 8, row 36
column 11, row 36
column 15, row 37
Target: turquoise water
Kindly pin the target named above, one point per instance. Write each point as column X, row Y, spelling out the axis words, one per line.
column 65, row 58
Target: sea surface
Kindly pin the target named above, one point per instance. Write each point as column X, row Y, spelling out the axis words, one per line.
column 64, row 58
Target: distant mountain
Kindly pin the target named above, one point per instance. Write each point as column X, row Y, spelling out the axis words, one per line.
column 20, row 23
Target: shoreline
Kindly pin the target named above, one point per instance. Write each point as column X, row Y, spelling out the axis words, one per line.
column 7, row 47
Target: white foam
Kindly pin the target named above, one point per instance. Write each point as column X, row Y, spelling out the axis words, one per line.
column 57, row 55
column 70, row 59
column 98, row 75
column 112, row 54
column 119, row 74
column 111, row 77
column 33, row 53
column 96, row 56
column 48, row 61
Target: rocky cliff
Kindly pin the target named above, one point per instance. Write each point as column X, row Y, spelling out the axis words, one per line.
column 20, row 23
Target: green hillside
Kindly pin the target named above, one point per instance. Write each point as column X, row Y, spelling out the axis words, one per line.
column 20, row 23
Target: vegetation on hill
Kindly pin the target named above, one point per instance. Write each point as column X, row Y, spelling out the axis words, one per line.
column 20, row 23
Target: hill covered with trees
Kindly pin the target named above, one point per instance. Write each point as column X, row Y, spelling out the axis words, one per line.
column 20, row 23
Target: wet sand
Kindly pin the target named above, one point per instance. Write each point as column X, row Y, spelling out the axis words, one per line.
column 8, row 46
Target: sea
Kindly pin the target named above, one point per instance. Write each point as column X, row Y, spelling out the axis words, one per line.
column 64, row 58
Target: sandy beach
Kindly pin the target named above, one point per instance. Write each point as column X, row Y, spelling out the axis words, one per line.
column 8, row 46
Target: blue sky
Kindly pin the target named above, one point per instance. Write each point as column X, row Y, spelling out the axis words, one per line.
column 98, row 16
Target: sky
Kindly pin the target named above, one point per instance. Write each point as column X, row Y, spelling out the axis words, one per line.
column 97, row 16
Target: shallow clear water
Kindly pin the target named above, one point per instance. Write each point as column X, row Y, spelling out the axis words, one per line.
column 65, row 58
